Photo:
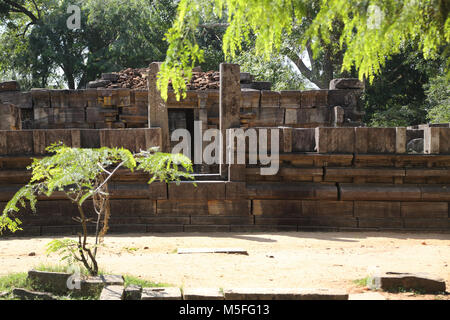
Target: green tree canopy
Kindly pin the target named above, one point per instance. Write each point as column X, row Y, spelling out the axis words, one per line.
column 371, row 31
column 35, row 41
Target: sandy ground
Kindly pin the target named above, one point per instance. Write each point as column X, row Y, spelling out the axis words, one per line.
column 306, row 260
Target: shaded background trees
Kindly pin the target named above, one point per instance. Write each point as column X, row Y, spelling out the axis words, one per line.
column 114, row 34
column 409, row 82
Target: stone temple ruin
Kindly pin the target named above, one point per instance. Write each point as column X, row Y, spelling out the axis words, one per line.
column 334, row 173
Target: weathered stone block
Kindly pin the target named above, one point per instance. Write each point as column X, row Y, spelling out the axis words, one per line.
column 377, row 209
column 132, row 292
column 24, row 294
column 20, row 99
column 169, row 293
column 112, row 293
column 380, row 223
column 269, row 117
column 314, row 98
column 221, row 220
column 292, row 190
column 400, row 140
column 290, row 116
column 235, row 190
column 284, row 294
column 435, row 193
column 229, row 207
column 338, row 116
column 10, row 116
column 277, row 207
column 381, row 192
column 415, row 146
column 290, row 99
column 181, row 207
column 206, row 228
column 422, row 282
column 41, row 98
column 246, row 77
column 163, row 228
column 203, row 191
column 375, row 140
column 346, row 83
column 335, row 140
column 113, row 77
column 303, row 140
column 427, row 224
column 250, row 98
column 314, row 116
column 202, row 294
column 55, row 282
column 437, row 210
column 16, row 142
column 257, row 85
column 98, row 83
column 437, row 140
column 321, row 208
column 9, row 86
column 270, row 99
column 94, row 285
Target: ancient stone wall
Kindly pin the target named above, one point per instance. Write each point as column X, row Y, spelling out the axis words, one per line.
column 329, row 179
column 333, row 175
column 128, row 108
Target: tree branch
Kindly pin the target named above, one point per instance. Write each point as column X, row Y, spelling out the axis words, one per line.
column 37, row 9
column 20, row 9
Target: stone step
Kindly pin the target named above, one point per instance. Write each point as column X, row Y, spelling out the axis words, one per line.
column 421, row 282
column 284, row 294
column 169, row 293
column 202, row 294
column 112, row 293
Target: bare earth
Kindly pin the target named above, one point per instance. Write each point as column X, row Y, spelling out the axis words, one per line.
column 284, row 260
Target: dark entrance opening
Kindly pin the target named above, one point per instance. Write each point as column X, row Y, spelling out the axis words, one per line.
column 181, row 119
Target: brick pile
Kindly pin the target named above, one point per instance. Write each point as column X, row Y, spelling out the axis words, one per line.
column 137, row 79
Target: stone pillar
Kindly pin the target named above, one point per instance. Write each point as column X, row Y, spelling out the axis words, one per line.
column 230, row 95
column 400, row 140
column 229, row 104
column 157, row 107
column 430, row 141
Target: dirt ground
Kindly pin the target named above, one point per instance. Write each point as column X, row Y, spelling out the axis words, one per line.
column 284, row 260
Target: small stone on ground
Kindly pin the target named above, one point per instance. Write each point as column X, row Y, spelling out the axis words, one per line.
column 202, row 294
column 24, row 294
column 421, row 282
column 133, row 292
column 112, row 293
column 284, row 294
column 170, row 293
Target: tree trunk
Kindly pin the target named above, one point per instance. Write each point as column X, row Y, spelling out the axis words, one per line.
column 70, row 80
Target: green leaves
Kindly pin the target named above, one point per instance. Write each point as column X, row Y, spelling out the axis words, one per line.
column 372, row 31
column 66, row 248
column 438, row 96
column 164, row 166
column 81, row 174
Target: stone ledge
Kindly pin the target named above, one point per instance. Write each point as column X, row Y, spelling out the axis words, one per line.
column 423, row 282
column 112, row 293
column 24, row 294
column 284, row 294
column 133, row 292
column 169, row 293
column 202, row 294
